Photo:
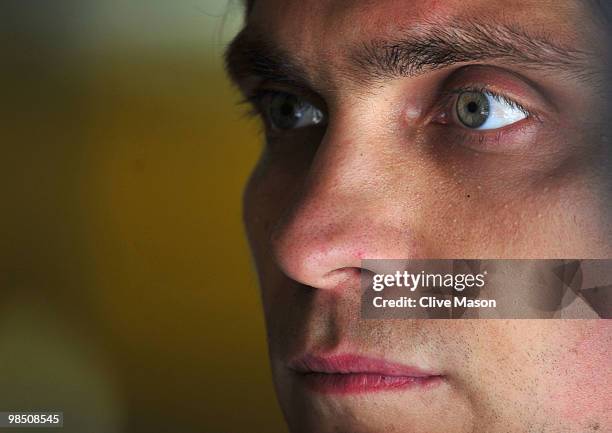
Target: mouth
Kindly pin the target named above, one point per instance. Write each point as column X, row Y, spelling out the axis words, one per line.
column 354, row 374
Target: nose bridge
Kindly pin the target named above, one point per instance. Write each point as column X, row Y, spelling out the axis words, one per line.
column 338, row 217
column 340, row 170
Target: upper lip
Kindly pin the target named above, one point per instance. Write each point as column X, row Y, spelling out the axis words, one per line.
column 355, row 364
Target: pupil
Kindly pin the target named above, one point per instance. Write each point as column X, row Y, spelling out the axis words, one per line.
column 286, row 110
column 472, row 107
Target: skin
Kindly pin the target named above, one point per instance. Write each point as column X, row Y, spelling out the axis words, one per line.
column 385, row 178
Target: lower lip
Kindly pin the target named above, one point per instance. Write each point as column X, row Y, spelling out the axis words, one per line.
column 357, row 383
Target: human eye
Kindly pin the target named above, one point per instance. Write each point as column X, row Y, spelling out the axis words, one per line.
column 483, row 110
column 489, row 109
column 283, row 111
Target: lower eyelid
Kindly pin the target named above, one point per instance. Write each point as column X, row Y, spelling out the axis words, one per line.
column 514, row 138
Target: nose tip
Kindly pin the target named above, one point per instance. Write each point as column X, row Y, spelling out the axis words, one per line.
column 316, row 257
column 324, row 250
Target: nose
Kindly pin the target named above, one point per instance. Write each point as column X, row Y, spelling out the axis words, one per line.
column 349, row 208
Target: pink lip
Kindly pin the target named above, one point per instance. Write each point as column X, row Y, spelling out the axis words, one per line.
column 353, row 374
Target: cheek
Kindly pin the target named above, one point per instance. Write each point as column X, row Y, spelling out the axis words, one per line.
column 262, row 200
column 584, row 374
column 274, row 185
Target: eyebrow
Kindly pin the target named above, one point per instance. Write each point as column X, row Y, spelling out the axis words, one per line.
column 252, row 55
column 439, row 46
column 426, row 47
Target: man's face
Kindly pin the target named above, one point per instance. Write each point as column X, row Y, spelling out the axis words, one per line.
column 427, row 129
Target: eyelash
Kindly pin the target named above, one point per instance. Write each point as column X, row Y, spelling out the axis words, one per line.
column 252, row 102
column 449, row 97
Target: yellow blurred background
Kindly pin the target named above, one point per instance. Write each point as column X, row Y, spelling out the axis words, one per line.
column 128, row 297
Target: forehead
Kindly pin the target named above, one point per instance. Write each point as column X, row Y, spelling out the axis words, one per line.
column 307, row 24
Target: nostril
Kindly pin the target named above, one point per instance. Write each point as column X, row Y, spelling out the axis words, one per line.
column 343, row 278
column 346, row 272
